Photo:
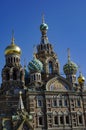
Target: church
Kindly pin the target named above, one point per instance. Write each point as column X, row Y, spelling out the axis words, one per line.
column 40, row 98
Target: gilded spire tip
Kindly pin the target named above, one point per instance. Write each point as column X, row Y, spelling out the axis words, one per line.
column 12, row 42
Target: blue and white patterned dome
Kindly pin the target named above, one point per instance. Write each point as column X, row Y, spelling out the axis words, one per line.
column 35, row 65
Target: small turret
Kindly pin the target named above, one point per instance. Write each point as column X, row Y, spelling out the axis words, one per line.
column 70, row 69
column 35, row 68
column 13, row 72
column 81, row 79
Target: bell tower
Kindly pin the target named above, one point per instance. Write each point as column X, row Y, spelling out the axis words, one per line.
column 46, row 54
column 12, row 73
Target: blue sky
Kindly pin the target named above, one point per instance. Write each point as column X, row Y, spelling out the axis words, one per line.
column 67, row 28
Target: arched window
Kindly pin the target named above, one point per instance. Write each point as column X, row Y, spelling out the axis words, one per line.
column 60, row 102
column 7, row 75
column 40, row 120
column 8, row 60
column 50, row 67
column 11, row 59
column 67, row 119
column 34, row 77
column 14, row 59
column 61, row 119
column 56, row 120
column 80, row 119
column 14, row 74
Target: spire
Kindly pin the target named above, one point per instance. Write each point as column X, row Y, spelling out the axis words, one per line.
column 20, row 104
column 43, row 20
column 68, row 51
column 12, row 41
column 34, row 51
column 43, row 29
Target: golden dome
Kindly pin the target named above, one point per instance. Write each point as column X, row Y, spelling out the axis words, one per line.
column 12, row 49
column 81, row 79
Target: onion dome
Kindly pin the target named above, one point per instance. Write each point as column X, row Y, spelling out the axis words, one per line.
column 70, row 67
column 43, row 26
column 12, row 49
column 43, row 29
column 81, row 79
column 35, row 65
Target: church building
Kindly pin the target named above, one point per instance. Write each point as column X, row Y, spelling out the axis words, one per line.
column 40, row 98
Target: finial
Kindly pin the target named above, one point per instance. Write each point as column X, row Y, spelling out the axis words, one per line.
column 43, row 20
column 81, row 78
column 12, row 42
column 20, row 105
column 34, row 51
column 20, row 92
column 68, row 51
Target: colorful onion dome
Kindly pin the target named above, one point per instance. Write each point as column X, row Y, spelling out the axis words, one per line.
column 81, row 79
column 35, row 65
column 70, row 67
column 12, row 48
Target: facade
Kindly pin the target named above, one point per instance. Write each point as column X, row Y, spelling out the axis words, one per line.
column 41, row 98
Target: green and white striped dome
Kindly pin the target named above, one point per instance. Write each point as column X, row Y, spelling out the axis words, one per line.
column 35, row 65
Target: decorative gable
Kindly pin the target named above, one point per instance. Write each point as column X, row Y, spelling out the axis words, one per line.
column 56, row 84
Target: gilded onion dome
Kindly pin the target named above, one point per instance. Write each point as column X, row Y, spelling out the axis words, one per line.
column 70, row 67
column 81, row 79
column 12, row 48
column 35, row 65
